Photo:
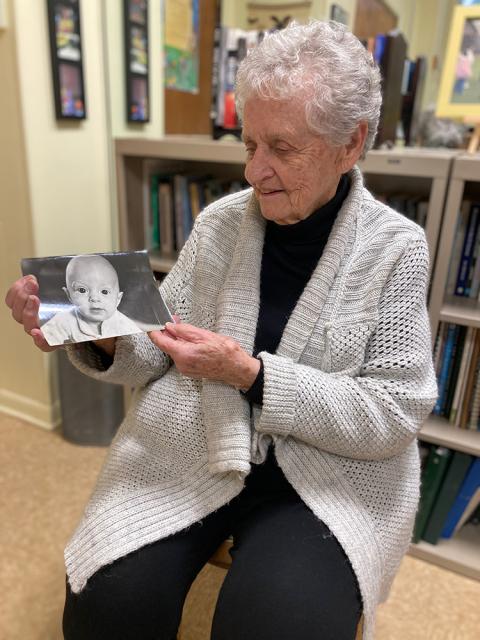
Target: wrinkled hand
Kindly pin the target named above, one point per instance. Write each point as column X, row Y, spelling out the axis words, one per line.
column 22, row 298
column 198, row 353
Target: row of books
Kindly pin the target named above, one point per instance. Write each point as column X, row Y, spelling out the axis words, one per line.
column 230, row 47
column 450, row 493
column 413, row 207
column 464, row 271
column 175, row 201
column 457, row 365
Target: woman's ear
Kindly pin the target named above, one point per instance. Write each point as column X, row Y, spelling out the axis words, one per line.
column 352, row 151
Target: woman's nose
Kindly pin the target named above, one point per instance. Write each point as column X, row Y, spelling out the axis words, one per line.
column 258, row 168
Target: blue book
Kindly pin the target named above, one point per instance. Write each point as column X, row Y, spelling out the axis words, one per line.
column 468, row 488
column 445, row 367
column 468, row 250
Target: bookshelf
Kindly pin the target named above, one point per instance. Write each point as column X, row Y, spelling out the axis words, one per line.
column 462, row 552
column 439, row 176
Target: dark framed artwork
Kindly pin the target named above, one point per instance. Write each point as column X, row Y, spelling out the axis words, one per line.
column 66, row 55
column 136, row 60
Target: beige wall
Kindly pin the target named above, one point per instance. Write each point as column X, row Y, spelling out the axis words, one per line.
column 57, row 179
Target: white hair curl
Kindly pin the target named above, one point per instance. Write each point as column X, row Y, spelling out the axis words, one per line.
column 328, row 67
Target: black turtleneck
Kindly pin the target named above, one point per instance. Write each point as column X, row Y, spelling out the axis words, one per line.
column 290, row 254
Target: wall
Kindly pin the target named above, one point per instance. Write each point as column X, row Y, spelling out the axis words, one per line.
column 25, row 385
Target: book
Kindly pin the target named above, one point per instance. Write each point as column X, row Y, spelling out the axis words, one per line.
column 452, row 333
column 469, row 486
column 471, row 508
column 469, row 383
column 155, row 225
column 439, row 345
column 460, row 231
column 455, row 411
column 449, row 489
column 432, row 476
column 475, row 404
column 453, row 374
column 467, row 249
column 167, row 216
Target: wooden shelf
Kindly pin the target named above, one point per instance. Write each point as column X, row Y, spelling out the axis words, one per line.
column 459, row 310
column 467, row 167
column 440, row 431
column 460, row 553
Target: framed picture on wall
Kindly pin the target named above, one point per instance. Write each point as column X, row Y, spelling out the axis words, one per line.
column 136, row 60
column 459, row 95
column 66, row 55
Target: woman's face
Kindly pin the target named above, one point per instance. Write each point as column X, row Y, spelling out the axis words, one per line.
column 292, row 171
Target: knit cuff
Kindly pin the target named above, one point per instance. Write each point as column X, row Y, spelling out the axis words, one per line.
column 279, row 395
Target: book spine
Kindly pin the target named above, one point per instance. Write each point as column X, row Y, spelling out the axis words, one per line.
column 178, row 208
column 432, row 477
column 462, row 374
column 457, row 250
column 446, row 364
column 155, row 240
column 467, row 251
column 457, row 360
column 475, row 410
column 451, row 484
column 468, row 488
column 470, row 382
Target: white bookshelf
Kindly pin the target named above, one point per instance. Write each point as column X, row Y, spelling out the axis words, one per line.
column 436, row 175
column 461, row 553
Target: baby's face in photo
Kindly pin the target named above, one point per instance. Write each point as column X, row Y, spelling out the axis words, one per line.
column 93, row 288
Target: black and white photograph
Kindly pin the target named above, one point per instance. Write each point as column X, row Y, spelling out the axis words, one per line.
column 94, row 296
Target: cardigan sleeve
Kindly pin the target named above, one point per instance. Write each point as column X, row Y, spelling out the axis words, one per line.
column 377, row 413
column 137, row 360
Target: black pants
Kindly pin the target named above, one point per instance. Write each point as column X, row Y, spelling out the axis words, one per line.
column 289, row 579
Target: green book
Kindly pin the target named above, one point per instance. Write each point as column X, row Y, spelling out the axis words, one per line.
column 451, row 484
column 432, row 477
column 154, row 212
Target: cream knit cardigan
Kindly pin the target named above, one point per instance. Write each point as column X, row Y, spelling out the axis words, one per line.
column 344, row 395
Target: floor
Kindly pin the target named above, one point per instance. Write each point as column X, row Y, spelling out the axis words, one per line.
column 44, row 484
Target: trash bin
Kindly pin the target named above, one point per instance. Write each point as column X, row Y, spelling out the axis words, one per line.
column 91, row 410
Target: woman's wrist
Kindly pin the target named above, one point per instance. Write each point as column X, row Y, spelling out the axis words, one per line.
column 249, row 373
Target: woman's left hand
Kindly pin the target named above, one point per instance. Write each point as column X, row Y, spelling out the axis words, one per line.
column 198, row 353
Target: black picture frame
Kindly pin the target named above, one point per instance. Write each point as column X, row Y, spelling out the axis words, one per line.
column 136, row 61
column 67, row 59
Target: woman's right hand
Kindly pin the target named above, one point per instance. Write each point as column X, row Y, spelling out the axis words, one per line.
column 22, row 298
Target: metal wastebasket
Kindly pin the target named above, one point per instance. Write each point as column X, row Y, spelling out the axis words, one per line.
column 91, row 410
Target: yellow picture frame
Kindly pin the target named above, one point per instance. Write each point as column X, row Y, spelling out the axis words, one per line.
column 459, row 95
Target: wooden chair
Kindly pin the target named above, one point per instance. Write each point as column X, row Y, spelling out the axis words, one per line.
column 221, row 558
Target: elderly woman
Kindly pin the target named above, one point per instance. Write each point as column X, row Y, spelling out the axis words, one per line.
column 283, row 409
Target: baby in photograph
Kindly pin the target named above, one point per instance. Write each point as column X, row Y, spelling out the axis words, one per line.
column 94, row 291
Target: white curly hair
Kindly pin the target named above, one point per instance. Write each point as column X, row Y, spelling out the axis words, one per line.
column 328, row 67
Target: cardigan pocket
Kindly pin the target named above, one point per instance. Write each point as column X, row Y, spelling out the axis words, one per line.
column 346, row 346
